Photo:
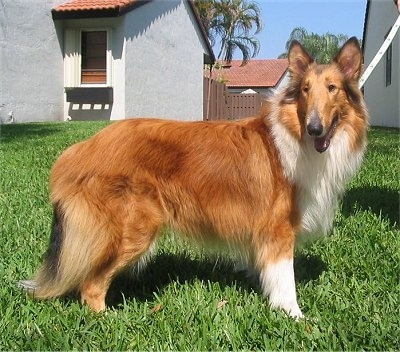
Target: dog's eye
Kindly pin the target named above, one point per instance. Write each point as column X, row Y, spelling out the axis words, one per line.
column 331, row 88
column 305, row 89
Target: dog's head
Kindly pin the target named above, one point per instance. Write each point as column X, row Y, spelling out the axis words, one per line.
column 324, row 93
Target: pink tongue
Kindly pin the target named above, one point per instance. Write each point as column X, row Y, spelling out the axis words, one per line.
column 321, row 144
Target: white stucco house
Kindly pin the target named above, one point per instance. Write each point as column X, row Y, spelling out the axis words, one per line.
column 101, row 59
column 382, row 90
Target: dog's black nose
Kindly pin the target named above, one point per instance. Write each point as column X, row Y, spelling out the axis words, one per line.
column 315, row 129
column 314, row 126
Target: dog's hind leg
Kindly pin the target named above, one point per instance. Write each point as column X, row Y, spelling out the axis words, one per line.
column 138, row 235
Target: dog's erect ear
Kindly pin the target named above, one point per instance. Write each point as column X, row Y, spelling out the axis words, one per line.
column 349, row 59
column 299, row 60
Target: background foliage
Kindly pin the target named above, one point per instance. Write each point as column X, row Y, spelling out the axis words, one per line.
column 321, row 47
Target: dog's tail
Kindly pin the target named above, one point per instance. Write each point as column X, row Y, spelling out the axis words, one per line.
column 70, row 255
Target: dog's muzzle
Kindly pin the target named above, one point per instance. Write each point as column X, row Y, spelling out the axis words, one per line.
column 315, row 129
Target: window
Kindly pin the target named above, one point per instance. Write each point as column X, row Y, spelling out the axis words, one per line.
column 388, row 66
column 94, row 57
column 87, row 58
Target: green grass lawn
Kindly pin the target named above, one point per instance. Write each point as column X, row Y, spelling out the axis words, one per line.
column 347, row 284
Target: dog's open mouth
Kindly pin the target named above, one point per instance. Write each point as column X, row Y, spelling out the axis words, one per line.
column 321, row 144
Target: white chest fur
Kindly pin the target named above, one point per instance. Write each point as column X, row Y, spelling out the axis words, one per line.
column 320, row 179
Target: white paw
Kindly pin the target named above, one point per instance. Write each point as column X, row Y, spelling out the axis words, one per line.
column 291, row 308
column 295, row 313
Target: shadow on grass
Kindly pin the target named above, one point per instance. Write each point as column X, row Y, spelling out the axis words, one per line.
column 10, row 132
column 167, row 268
column 380, row 201
column 308, row 268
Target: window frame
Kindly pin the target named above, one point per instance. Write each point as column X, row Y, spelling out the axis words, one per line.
column 85, row 72
column 388, row 62
column 388, row 65
column 73, row 58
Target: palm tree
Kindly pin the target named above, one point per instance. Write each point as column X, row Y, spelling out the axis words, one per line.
column 232, row 21
column 322, row 48
column 206, row 10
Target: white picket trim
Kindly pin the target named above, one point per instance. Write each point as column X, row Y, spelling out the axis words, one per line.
column 380, row 53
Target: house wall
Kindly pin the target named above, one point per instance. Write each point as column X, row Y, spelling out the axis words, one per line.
column 31, row 62
column 164, row 62
column 284, row 81
column 382, row 102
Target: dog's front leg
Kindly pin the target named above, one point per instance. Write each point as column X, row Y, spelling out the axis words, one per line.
column 277, row 281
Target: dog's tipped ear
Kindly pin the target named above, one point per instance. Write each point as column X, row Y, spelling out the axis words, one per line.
column 299, row 60
column 349, row 59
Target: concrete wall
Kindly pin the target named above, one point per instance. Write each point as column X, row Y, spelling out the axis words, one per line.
column 164, row 62
column 31, row 62
column 382, row 102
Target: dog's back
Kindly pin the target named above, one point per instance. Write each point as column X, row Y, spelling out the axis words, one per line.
column 189, row 170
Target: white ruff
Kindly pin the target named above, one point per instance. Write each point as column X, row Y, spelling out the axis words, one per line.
column 320, row 178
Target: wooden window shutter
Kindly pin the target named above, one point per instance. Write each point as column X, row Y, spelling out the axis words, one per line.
column 94, row 57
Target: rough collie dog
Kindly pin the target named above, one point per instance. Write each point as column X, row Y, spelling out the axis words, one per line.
column 253, row 184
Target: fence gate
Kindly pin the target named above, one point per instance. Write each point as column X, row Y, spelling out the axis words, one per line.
column 243, row 105
column 219, row 104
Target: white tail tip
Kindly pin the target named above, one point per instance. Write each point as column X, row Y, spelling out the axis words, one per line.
column 28, row 285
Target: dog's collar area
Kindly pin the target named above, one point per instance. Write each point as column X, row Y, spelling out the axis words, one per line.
column 321, row 144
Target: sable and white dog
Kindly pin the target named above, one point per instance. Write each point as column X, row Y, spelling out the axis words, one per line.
column 254, row 184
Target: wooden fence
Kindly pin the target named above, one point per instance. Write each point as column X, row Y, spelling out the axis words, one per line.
column 219, row 104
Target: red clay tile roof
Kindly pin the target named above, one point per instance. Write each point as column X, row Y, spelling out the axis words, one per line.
column 94, row 8
column 256, row 73
column 85, row 5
